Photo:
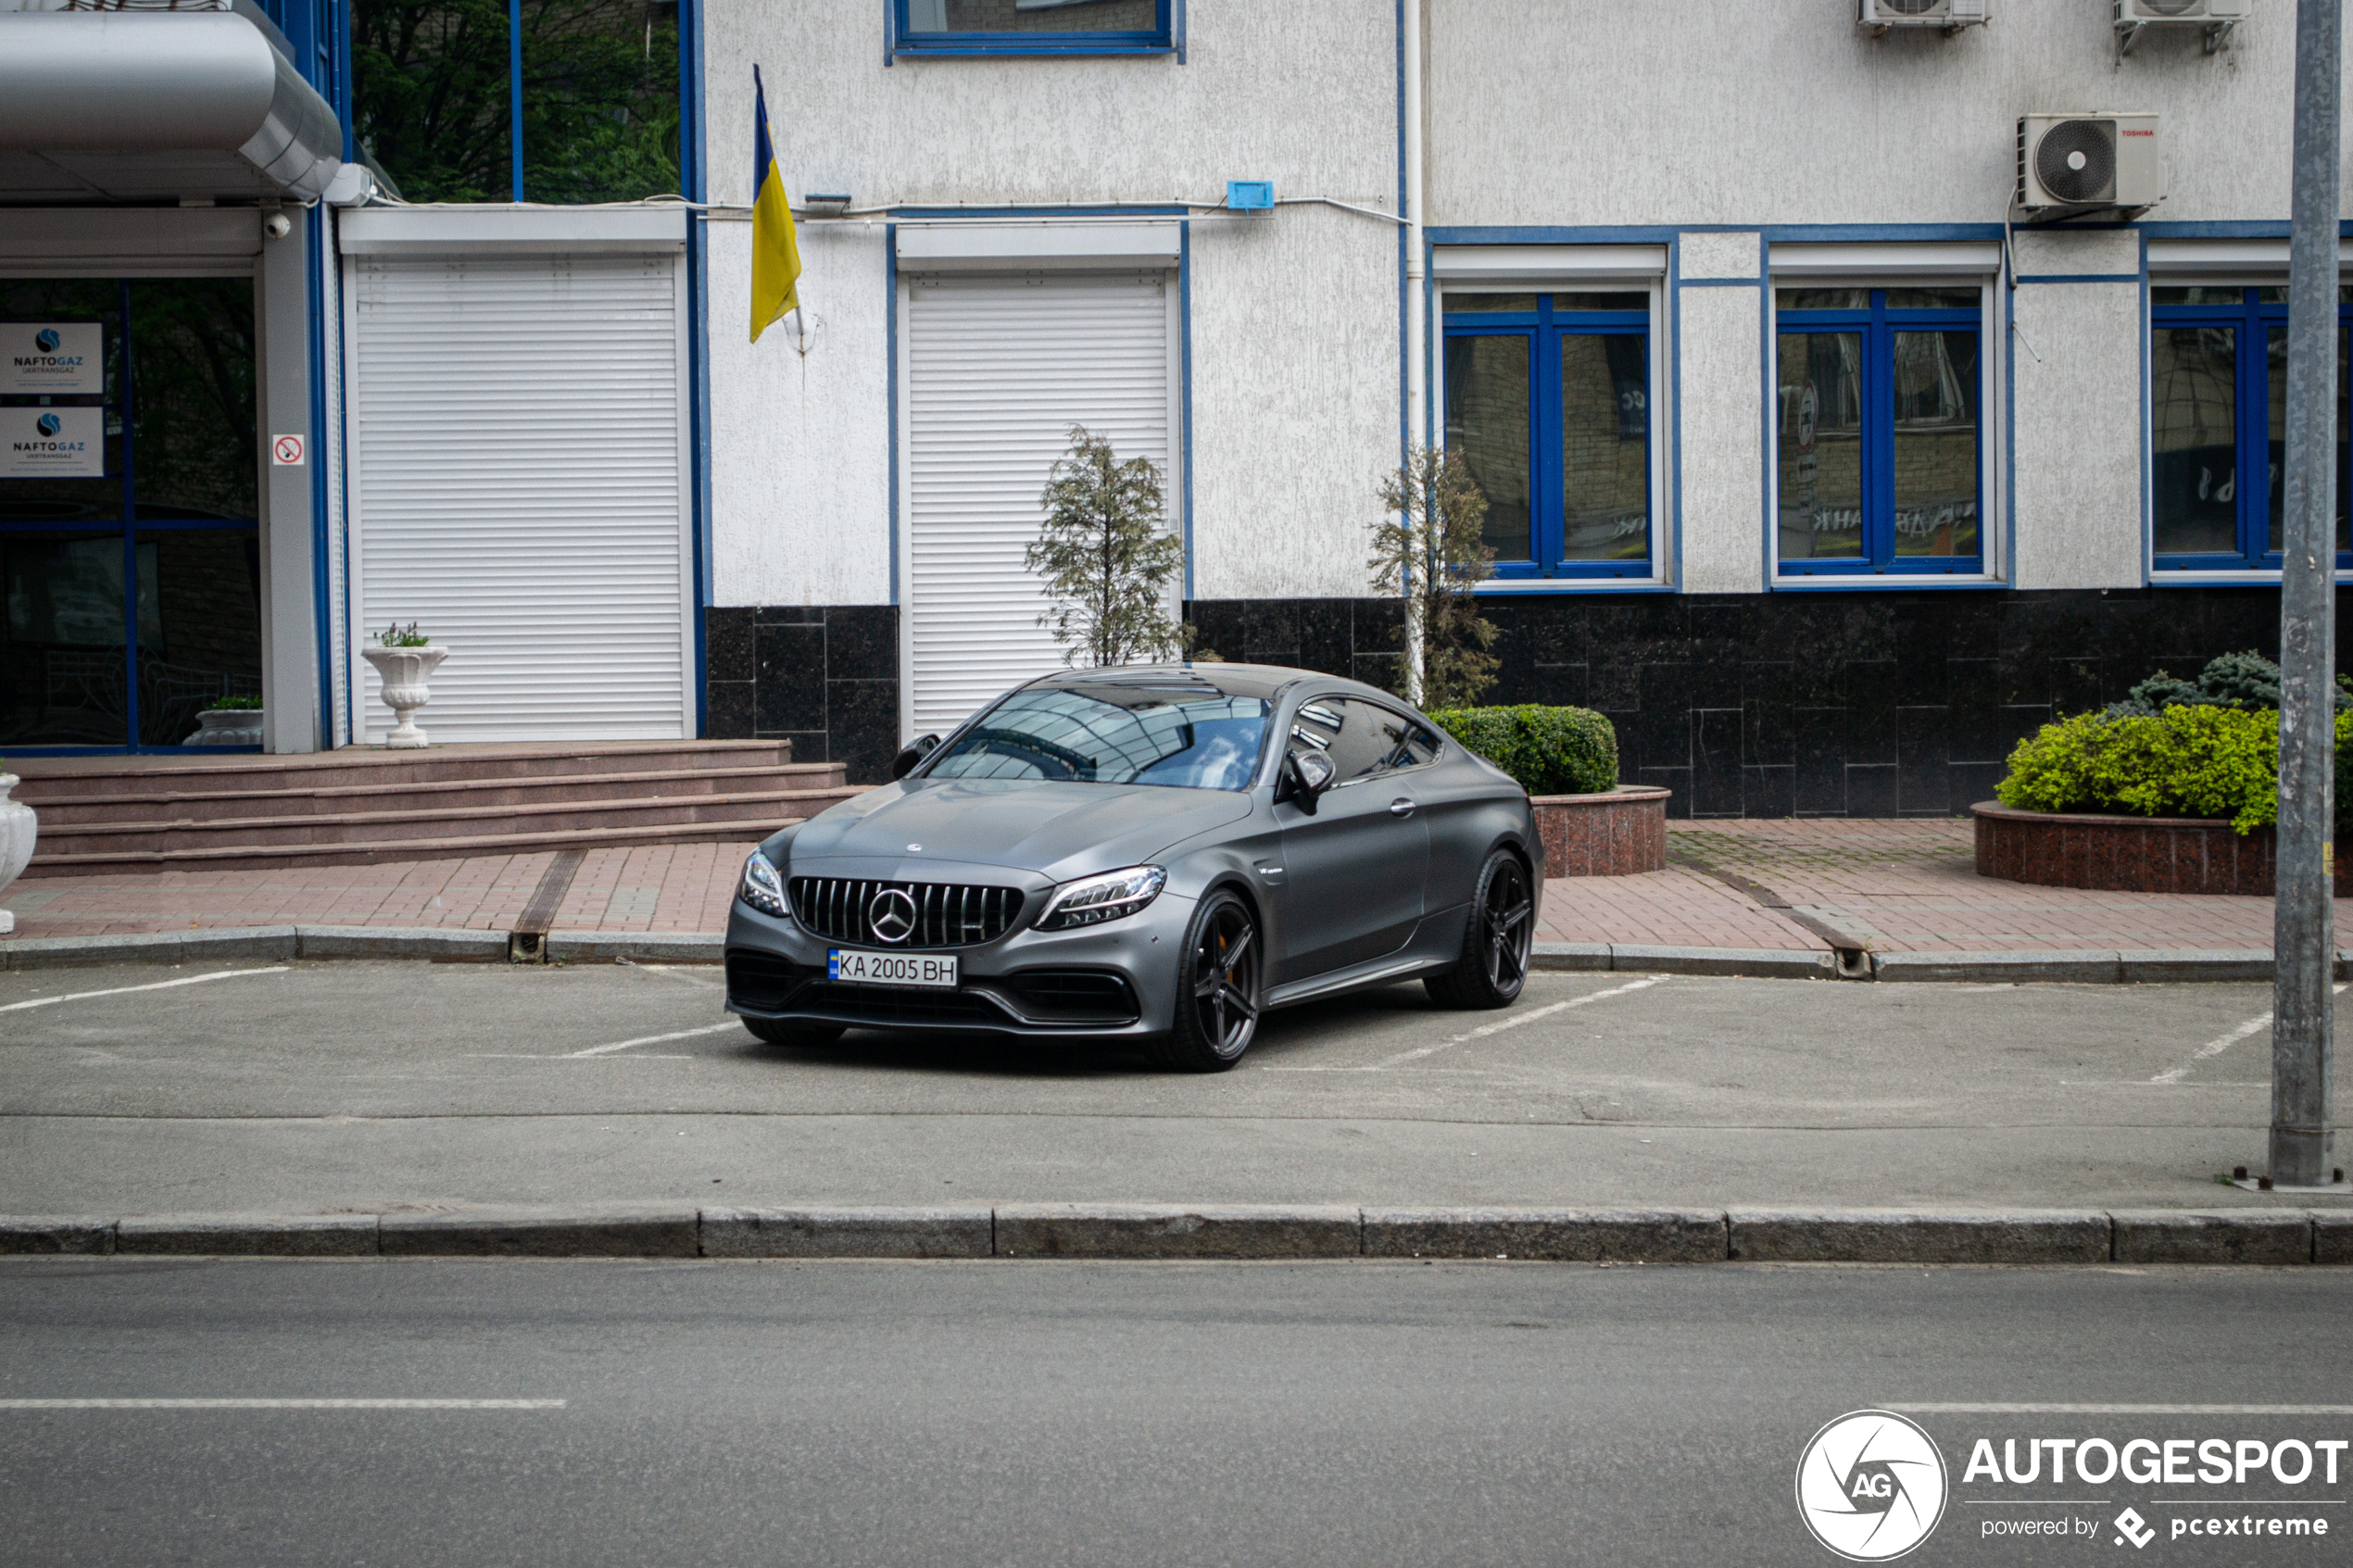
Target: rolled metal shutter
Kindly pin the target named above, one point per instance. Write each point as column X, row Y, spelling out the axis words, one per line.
column 998, row 370
column 516, row 487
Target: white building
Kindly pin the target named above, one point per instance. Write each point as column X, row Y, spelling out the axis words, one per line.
column 1814, row 459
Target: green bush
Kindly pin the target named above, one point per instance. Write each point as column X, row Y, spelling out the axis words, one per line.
column 233, row 704
column 2185, row 762
column 1549, row 751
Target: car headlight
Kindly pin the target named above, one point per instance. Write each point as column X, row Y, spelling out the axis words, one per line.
column 762, row 887
column 1094, row 899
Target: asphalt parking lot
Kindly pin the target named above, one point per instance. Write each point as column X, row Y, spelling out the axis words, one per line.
column 322, row 1086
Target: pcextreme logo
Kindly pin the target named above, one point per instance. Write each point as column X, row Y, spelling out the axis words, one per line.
column 1871, row 1485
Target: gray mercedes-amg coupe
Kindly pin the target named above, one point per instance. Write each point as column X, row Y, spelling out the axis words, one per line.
column 1157, row 853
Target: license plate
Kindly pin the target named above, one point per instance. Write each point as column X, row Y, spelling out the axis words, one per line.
column 890, row 969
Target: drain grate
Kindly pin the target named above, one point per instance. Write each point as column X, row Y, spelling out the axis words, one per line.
column 527, row 943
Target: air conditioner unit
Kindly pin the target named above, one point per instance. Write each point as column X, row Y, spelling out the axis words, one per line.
column 1881, row 15
column 2216, row 16
column 2077, row 162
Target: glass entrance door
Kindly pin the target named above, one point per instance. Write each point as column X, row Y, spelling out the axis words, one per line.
column 130, row 540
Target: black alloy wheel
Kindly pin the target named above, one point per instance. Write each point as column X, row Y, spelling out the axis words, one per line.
column 1218, row 1004
column 1496, row 940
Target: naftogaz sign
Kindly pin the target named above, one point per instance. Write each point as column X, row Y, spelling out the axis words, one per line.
column 61, row 357
column 1871, row 1485
column 53, row 443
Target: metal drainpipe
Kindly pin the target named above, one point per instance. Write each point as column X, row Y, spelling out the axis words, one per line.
column 1417, row 345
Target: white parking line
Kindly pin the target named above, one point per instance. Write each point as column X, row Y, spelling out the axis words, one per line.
column 1418, row 1052
column 2217, row 1045
column 1516, row 1020
column 158, row 985
column 649, row 1040
column 670, row 971
column 281, row 1404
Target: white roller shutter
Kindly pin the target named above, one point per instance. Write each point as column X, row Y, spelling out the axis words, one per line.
column 517, row 471
column 998, row 370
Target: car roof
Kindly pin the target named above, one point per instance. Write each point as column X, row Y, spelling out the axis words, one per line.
column 1233, row 680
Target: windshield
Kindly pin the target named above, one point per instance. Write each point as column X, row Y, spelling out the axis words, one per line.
column 1187, row 737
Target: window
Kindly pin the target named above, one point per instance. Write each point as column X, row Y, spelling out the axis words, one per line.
column 1033, row 27
column 1187, row 737
column 2218, row 392
column 1880, row 467
column 1362, row 738
column 435, row 87
column 1548, row 405
column 130, row 546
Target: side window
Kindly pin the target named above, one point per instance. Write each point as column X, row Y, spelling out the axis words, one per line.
column 1372, row 740
column 1421, row 747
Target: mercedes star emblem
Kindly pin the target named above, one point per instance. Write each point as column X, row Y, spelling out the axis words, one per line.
column 891, row 913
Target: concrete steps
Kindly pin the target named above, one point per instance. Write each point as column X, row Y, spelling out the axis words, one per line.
column 364, row 807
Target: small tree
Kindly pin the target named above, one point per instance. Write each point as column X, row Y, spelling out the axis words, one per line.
column 1104, row 556
column 1430, row 553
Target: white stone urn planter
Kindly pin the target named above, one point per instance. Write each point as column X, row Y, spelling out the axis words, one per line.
column 226, row 726
column 405, row 673
column 18, row 830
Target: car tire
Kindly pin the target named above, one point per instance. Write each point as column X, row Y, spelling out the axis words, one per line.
column 1217, row 1000
column 1496, row 940
column 783, row 1031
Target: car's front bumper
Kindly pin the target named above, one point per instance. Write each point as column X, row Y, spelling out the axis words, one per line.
column 1114, row 979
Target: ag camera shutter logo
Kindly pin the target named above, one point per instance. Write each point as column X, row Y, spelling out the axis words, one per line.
column 1871, row 1485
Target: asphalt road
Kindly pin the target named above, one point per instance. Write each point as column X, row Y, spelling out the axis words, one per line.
column 322, row 1087
column 1136, row 1414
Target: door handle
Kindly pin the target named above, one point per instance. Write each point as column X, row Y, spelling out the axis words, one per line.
column 1400, row 807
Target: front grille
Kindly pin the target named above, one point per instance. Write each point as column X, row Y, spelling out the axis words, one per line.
column 762, row 981
column 1072, row 995
column 945, row 915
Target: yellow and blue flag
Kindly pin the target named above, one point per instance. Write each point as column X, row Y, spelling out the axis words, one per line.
column 776, row 253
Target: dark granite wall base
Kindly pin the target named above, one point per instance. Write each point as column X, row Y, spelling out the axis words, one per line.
column 823, row 676
column 1809, row 704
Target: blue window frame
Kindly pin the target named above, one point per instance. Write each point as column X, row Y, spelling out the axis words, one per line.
column 1880, row 456
column 1033, row 27
column 1548, row 406
column 2218, row 392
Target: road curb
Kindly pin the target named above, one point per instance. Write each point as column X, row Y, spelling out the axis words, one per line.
column 1920, row 1237
column 438, row 943
column 2168, row 1236
column 456, row 945
column 1165, row 1232
column 2063, row 966
column 1139, row 1230
column 529, row 1233
column 1566, row 1235
column 960, row 1232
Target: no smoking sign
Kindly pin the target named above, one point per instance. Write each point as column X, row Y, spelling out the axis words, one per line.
column 285, row 451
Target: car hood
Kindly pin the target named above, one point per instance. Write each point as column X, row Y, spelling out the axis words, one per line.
column 1056, row 828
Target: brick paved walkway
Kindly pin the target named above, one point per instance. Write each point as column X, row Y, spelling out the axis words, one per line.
column 1905, row 885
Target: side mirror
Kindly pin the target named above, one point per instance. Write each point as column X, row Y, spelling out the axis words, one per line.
column 914, row 751
column 1309, row 773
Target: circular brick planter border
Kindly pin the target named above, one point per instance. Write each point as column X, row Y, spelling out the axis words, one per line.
column 2125, row 854
column 1618, row 833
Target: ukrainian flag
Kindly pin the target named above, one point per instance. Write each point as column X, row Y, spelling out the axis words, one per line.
column 775, row 254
